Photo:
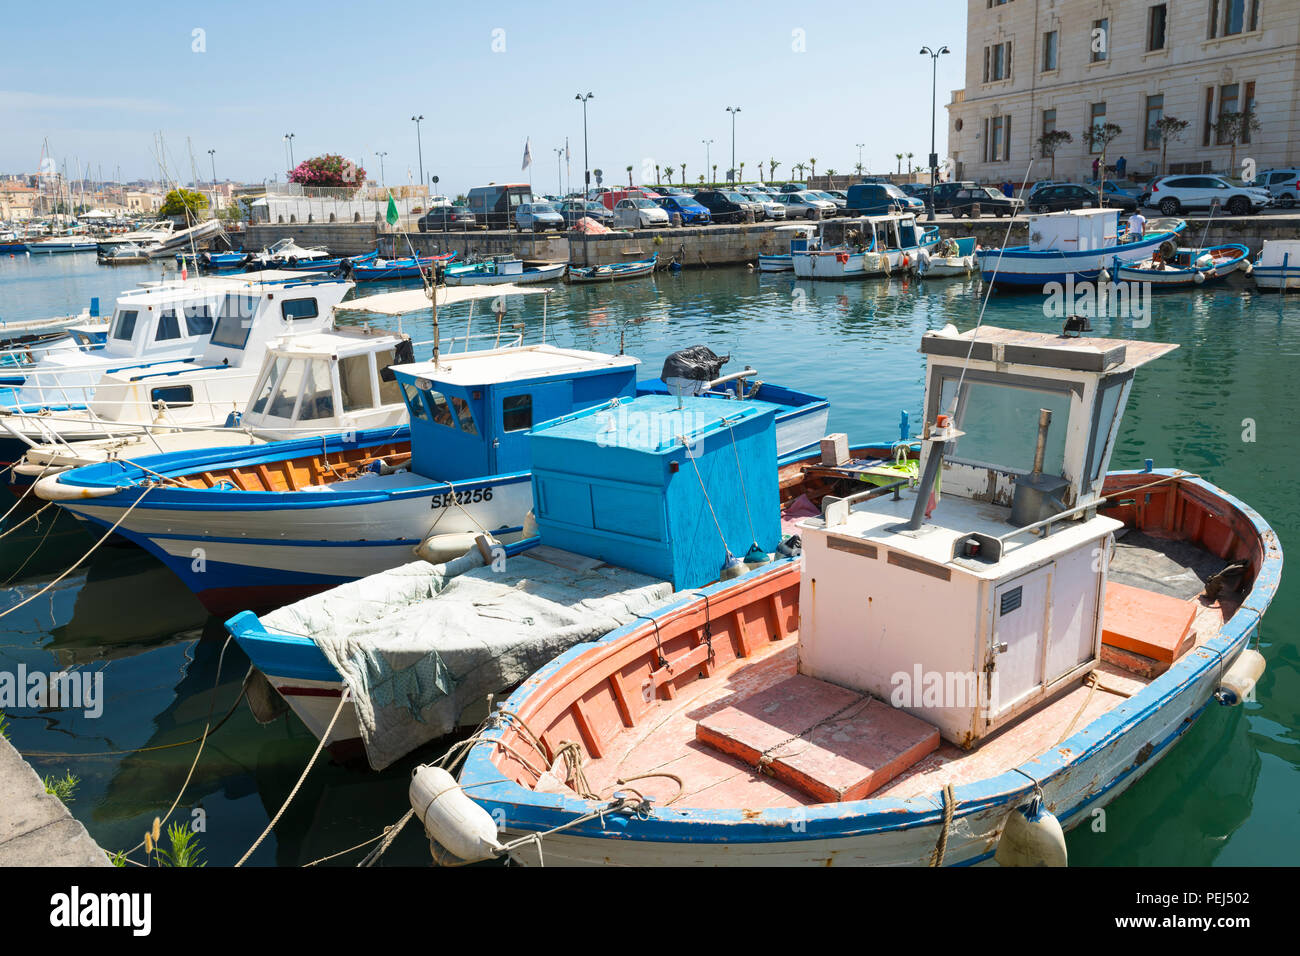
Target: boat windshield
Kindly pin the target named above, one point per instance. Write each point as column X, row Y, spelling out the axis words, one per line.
column 1001, row 424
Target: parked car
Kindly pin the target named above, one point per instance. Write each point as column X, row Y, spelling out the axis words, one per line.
column 692, row 213
column 772, row 207
column 537, row 217
column 943, row 192
column 1123, row 187
column 1282, row 184
column 877, row 199
column 989, row 200
column 1073, row 196
column 574, row 209
column 721, row 207
column 639, row 213
column 915, row 190
column 1172, row 194
column 841, row 205
column 794, row 188
column 804, row 205
column 446, row 218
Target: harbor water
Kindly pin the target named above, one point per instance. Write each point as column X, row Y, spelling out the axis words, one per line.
column 1222, row 406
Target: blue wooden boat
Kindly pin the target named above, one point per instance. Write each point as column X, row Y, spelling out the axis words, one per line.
column 499, row 270
column 1178, row 267
column 903, row 693
column 614, row 271
column 1077, row 244
column 371, row 268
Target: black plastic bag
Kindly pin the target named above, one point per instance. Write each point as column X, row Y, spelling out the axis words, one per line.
column 698, row 363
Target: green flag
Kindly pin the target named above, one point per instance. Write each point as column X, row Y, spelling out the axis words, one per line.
column 392, row 210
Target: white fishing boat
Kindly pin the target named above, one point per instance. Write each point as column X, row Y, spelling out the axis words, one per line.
column 1076, row 244
column 951, row 257
column 359, row 359
column 1174, row 266
column 168, row 322
column 951, row 673
column 62, row 244
column 1278, row 264
column 864, row 247
column 286, row 253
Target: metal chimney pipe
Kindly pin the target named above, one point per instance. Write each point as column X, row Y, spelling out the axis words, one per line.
column 1040, row 449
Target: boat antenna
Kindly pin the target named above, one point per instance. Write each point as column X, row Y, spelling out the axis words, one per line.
column 956, row 397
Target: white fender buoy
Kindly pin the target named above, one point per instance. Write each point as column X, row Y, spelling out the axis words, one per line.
column 1250, row 268
column 1031, row 837
column 451, row 818
column 1239, row 682
column 1199, row 278
column 1105, row 275
column 441, row 548
column 733, row 567
column 530, row 524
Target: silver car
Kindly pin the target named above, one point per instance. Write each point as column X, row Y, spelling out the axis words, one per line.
column 771, row 208
column 1282, row 184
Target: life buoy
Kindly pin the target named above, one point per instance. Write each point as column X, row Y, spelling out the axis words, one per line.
column 841, row 257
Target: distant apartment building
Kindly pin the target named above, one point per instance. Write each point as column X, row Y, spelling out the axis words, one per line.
column 143, row 203
column 18, row 201
column 1037, row 65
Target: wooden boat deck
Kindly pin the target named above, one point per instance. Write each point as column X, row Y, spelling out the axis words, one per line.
column 305, row 471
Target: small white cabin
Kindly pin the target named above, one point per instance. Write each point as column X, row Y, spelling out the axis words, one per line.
column 978, row 595
column 1074, row 230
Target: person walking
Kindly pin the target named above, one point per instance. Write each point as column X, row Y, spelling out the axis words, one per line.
column 1137, row 224
column 1007, row 189
column 1095, row 166
column 1121, row 164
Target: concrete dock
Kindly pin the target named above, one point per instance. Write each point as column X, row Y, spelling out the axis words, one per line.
column 36, row 829
column 698, row 246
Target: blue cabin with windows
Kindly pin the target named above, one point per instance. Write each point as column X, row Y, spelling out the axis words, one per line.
column 671, row 488
column 471, row 412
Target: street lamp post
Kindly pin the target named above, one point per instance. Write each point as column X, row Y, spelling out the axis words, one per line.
column 707, row 156
column 212, row 157
column 419, row 142
column 586, row 161
column 861, row 171
column 288, row 138
column 559, row 178
column 934, row 157
column 733, row 110
column 380, row 154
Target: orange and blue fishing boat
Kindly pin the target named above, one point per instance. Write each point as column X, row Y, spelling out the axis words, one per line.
column 957, row 669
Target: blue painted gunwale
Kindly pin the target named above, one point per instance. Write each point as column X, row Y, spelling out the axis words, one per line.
column 1005, row 260
column 526, row 810
column 1128, row 273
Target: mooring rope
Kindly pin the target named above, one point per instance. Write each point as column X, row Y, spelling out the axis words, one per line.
column 941, row 847
column 343, row 699
column 79, row 560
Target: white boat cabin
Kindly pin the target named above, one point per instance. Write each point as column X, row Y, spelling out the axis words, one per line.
column 1074, row 230
column 327, row 382
column 978, row 595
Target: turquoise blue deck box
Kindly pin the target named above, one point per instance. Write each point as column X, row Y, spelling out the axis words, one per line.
column 639, row 484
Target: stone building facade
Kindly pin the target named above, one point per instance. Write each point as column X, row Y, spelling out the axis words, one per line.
column 1037, row 65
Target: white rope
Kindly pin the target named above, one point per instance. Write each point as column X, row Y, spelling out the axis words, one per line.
column 343, row 699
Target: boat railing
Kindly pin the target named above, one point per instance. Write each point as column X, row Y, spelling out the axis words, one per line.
column 835, row 511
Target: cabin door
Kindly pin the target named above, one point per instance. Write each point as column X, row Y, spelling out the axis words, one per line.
column 1020, row 619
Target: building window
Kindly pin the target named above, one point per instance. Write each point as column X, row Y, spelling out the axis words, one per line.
column 1231, row 17
column 997, row 139
column 1209, row 116
column 1100, row 39
column 1227, row 104
column 1096, row 117
column 997, row 62
column 1155, row 110
column 1156, row 20
column 1049, row 51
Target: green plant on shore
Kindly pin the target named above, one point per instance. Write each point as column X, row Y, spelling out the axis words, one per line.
column 4, row 727
column 117, row 858
column 64, row 787
column 185, row 849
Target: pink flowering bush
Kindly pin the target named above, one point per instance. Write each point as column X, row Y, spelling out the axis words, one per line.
column 328, row 170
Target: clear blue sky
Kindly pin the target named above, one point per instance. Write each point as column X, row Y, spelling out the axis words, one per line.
column 100, row 79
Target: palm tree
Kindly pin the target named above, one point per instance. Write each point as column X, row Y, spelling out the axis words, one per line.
column 772, row 164
column 657, row 172
column 830, row 174
column 858, row 169
column 715, row 172
column 760, row 171
column 909, row 164
column 683, row 169
column 668, row 171
column 799, row 166
column 629, row 177
column 742, row 171
column 813, row 164
column 899, row 157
